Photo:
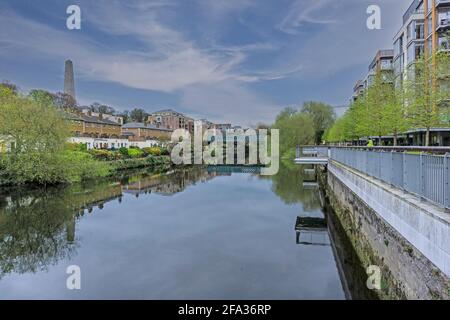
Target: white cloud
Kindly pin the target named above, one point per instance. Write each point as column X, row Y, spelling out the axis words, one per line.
column 306, row 11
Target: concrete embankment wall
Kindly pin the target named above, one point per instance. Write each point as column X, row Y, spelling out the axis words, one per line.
column 407, row 238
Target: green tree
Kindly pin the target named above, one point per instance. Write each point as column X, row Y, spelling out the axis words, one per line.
column 393, row 112
column 138, row 115
column 64, row 101
column 427, row 93
column 42, row 97
column 39, row 133
column 296, row 128
column 322, row 116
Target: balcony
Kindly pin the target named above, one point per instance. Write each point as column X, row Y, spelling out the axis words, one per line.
column 442, row 3
column 443, row 24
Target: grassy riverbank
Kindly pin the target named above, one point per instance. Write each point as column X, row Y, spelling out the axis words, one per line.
column 78, row 166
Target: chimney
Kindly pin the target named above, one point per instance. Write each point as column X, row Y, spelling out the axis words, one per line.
column 69, row 82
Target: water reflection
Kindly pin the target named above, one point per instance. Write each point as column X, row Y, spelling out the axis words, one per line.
column 37, row 227
column 240, row 236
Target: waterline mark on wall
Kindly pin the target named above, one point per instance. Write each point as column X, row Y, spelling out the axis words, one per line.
column 211, row 146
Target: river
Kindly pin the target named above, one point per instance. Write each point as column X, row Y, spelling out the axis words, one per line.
column 195, row 233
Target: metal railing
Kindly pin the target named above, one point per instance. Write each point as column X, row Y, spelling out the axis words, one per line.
column 425, row 175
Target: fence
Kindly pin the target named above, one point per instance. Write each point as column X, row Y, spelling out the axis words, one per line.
column 425, row 175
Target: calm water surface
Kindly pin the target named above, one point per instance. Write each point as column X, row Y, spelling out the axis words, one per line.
column 193, row 234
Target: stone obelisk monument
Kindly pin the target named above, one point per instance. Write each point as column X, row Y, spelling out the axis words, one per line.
column 69, row 82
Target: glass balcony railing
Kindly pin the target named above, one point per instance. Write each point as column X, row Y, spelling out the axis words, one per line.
column 442, row 2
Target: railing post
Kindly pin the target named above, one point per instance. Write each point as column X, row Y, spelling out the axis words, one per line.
column 422, row 173
column 392, row 169
column 404, row 171
column 446, row 190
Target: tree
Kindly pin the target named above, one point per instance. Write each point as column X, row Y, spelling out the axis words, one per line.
column 42, row 97
column 322, row 115
column 64, row 101
column 376, row 100
column 427, row 93
column 296, row 128
column 10, row 86
column 393, row 113
column 101, row 108
column 138, row 115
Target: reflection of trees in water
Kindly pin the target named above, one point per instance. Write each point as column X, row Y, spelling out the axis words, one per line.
column 37, row 227
column 288, row 185
column 35, row 232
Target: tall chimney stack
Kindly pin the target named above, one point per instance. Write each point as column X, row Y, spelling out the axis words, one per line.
column 69, row 82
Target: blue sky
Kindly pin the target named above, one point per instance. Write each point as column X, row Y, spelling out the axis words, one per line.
column 238, row 61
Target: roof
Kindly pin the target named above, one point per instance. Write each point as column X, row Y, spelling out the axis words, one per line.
column 86, row 118
column 140, row 125
column 167, row 111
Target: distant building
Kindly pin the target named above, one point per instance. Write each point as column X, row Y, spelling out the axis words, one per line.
column 171, row 119
column 83, row 125
column 382, row 64
column 358, row 90
column 222, row 126
column 116, row 119
column 138, row 131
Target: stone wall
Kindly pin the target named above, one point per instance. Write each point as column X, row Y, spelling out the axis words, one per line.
column 406, row 272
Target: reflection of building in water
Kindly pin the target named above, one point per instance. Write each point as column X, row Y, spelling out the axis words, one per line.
column 312, row 231
column 46, row 219
column 168, row 184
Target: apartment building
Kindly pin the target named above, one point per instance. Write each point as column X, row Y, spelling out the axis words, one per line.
column 381, row 64
column 358, row 90
column 423, row 32
column 171, row 119
column 138, row 131
column 437, row 24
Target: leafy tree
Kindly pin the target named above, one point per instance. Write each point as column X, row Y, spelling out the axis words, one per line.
column 427, row 92
column 42, row 97
column 101, row 108
column 296, row 128
column 138, row 115
column 12, row 87
column 40, row 132
column 64, row 101
column 322, row 115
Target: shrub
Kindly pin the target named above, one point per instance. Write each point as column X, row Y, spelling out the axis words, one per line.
column 135, row 153
column 76, row 146
column 105, row 155
column 123, row 151
column 154, row 151
column 82, row 166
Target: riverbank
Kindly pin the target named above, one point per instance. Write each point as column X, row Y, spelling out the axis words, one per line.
column 110, row 168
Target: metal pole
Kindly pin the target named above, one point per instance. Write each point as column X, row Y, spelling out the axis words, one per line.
column 446, row 189
column 422, row 172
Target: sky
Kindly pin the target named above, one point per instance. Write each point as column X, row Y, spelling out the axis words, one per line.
column 230, row 61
